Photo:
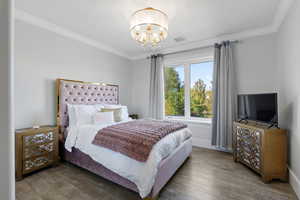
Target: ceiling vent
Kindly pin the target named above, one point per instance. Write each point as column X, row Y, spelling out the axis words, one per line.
column 179, row 39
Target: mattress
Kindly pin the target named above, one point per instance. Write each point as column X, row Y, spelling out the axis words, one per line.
column 166, row 168
column 141, row 174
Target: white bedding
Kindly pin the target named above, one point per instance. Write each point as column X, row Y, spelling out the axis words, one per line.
column 141, row 173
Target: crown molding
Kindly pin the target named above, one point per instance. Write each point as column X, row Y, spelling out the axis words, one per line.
column 210, row 41
column 282, row 11
column 44, row 24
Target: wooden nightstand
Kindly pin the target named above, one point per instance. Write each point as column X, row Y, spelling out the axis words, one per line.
column 35, row 149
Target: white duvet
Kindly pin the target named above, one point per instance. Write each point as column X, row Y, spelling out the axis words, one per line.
column 141, row 173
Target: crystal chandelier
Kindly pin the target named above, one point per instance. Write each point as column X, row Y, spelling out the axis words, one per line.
column 149, row 26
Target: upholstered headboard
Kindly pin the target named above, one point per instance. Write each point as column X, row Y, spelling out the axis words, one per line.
column 79, row 92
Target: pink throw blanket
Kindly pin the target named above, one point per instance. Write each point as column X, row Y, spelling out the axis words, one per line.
column 135, row 139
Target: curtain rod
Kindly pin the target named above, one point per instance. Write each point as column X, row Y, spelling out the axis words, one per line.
column 194, row 49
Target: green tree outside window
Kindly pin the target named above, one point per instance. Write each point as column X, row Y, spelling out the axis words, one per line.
column 200, row 96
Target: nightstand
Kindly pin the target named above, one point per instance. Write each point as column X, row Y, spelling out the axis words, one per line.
column 35, row 149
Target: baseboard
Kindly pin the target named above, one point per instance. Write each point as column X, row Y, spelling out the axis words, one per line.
column 207, row 145
column 294, row 182
column 202, row 143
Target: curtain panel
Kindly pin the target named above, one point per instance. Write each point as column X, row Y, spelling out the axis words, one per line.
column 156, row 102
column 224, row 96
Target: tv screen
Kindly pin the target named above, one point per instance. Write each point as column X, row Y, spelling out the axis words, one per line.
column 258, row 107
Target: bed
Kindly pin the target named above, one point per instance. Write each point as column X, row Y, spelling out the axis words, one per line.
column 86, row 93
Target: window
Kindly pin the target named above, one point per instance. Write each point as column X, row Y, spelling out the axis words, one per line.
column 188, row 90
column 201, row 89
column 174, row 91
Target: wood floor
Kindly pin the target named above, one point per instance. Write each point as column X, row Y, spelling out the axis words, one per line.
column 207, row 175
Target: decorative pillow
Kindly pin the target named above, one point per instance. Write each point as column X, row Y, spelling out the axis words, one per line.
column 113, row 106
column 125, row 115
column 98, row 107
column 84, row 113
column 103, row 118
column 116, row 111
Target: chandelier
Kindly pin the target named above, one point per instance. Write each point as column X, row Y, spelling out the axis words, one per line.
column 149, row 26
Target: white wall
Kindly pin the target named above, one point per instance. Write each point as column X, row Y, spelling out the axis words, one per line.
column 43, row 56
column 7, row 171
column 256, row 66
column 256, row 71
column 140, row 87
column 289, row 71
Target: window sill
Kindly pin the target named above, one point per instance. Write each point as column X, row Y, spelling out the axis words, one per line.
column 194, row 121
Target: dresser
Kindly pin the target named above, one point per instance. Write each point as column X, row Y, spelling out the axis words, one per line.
column 35, row 149
column 262, row 149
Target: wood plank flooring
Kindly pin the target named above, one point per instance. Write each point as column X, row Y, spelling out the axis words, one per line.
column 207, row 175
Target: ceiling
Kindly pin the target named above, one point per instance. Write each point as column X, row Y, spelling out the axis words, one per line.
column 106, row 22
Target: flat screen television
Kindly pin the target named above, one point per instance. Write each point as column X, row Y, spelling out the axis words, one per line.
column 258, row 107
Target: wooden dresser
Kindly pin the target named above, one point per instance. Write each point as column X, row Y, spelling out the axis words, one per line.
column 35, row 149
column 262, row 149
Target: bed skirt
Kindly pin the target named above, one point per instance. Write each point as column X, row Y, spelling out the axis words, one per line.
column 166, row 168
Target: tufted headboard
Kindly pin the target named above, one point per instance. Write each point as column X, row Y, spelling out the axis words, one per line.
column 79, row 92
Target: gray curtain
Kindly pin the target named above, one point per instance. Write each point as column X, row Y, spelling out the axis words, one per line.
column 224, row 96
column 156, row 103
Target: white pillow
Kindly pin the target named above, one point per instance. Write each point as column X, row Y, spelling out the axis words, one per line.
column 71, row 114
column 84, row 113
column 112, row 106
column 103, row 118
column 98, row 107
column 125, row 114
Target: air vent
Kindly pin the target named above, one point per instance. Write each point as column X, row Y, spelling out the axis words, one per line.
column 179, row 39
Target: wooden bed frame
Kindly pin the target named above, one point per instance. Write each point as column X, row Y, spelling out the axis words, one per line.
column 89, row 93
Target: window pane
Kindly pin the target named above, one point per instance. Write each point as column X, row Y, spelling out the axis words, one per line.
column 174, row 91
column 201, row 89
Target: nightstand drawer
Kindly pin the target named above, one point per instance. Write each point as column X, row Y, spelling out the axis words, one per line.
column 38, row 138
column 35, row 163
column 38, row 150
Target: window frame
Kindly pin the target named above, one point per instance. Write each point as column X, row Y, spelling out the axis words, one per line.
column 186, row 63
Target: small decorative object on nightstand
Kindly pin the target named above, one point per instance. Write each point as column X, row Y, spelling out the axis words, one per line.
column 262, row 149
column 134, row 116
column 36, row 148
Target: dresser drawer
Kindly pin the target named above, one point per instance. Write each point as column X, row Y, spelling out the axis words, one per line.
column 38, row 149
column 249, row 135
column 38, row 162
column 38, row 138
column 250, row 159
column 248, row 147
column 249, row 138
